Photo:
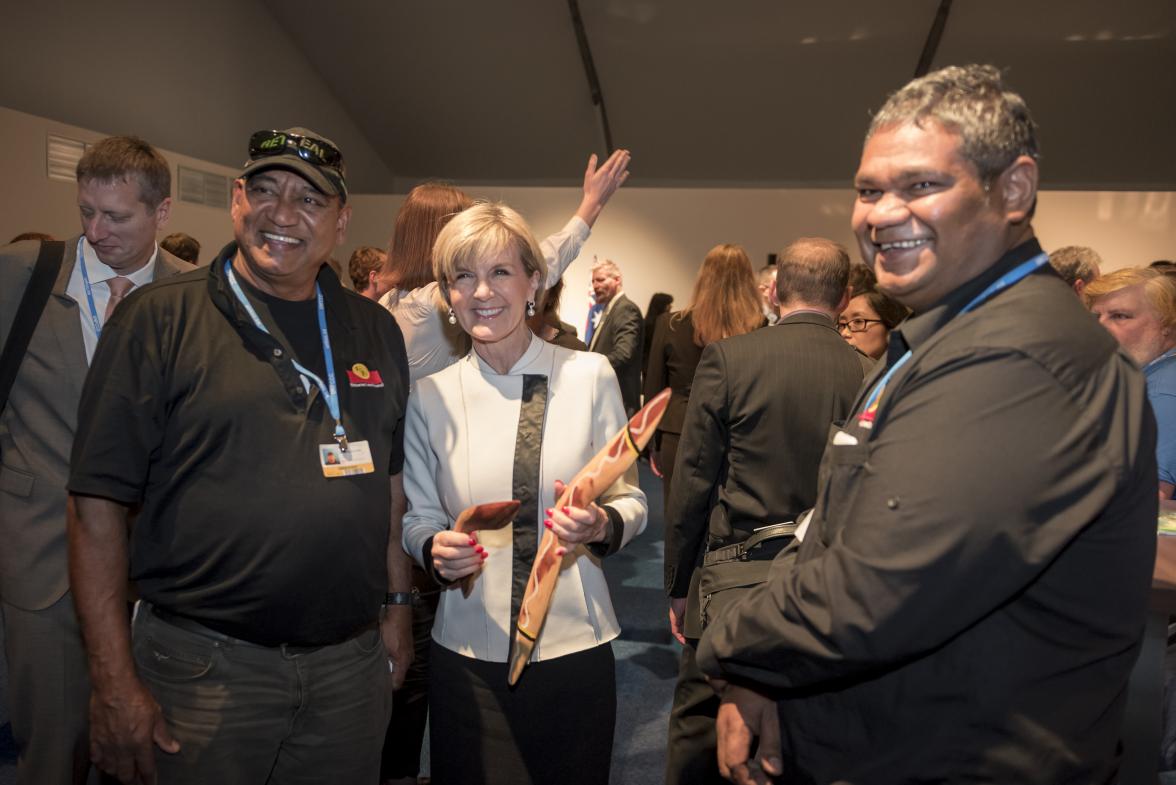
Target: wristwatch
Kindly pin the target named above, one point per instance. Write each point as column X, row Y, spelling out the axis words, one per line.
column 398, row 598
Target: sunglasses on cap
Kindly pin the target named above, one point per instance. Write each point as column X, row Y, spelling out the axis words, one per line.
column 265, row 144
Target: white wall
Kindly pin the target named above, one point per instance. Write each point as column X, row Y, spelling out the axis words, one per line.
column 658, row 236
column 31, row 202
column 193, row 76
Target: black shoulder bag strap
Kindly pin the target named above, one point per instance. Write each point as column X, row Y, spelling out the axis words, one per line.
column 28, row 313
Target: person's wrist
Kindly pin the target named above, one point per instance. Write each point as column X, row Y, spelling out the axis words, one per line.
column 602, row 527
column 397, row 599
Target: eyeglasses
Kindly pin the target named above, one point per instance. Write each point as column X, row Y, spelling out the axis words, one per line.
column 856, row 325
column 264, row 144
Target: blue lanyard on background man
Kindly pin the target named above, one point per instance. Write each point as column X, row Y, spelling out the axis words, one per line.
column 89, row 290
column 329, row 390
column 1013, row 276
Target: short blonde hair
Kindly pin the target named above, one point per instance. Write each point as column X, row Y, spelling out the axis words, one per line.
column 487, row 229
column 1159, row 289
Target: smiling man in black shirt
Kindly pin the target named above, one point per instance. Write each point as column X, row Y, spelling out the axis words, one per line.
column 261, row 648
column 969, row 596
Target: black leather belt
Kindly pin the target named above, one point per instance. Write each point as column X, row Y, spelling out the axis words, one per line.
column 191, row 625
column 763, row 544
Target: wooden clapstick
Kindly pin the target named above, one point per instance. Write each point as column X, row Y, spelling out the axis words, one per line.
column 482, row 517
column 594, row 479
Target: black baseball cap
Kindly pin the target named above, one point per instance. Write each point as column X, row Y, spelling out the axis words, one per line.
column 302, row 151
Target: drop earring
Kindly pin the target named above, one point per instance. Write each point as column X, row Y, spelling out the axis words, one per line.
column 530, row 308
column 452, row 317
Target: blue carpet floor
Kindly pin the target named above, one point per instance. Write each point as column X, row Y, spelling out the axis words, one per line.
column 647, row 658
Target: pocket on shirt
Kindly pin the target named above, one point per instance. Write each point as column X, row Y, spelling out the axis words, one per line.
column 16, row 482
column 842, row 468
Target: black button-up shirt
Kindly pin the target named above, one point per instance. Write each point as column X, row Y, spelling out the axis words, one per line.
column 970, row 596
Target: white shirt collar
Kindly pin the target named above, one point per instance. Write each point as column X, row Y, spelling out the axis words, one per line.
column 98, row 271
column 534, row 350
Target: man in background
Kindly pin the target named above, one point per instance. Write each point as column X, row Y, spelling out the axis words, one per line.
column 760, row 409
column 618, row 333
column 183, row 246
column 767, row 292
column 124, row 199
column 1078, row 265
column 364, row 270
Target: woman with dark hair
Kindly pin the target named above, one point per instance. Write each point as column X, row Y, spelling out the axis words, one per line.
column 431, row 339
column 868, row 319
column 725, row 302
column 659, row 303
column 547, row 324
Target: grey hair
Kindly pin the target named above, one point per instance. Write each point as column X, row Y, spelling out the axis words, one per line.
column 1076, row 263
column 993, row 123
column 609, row 267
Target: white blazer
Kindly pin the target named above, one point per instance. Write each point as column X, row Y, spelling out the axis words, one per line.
column 459, row 442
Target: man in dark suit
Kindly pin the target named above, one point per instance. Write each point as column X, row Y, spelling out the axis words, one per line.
column 124, row 197
column 618, row 335
column 759, row 413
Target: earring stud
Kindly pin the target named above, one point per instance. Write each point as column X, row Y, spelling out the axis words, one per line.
column 452, row 317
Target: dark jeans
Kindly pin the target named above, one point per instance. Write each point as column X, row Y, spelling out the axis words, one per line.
column 247, row 714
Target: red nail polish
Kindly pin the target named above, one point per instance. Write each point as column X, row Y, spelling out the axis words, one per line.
column 567, row 510
column 473, row 541
column 561, row 551
column 480, row 549
column 548, row 524
column 549, row 512
column 485, row 555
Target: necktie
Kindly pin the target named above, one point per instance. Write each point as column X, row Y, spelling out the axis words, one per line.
column 119, row 288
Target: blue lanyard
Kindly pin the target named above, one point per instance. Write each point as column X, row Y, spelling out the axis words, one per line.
column 89, row 290
column 329, row 390
column 1013, row 276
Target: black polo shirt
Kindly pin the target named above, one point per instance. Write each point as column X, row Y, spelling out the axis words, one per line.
column 196, row 415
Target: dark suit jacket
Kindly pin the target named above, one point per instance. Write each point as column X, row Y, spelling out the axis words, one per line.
column 37, row 429
column 673, row 356
column 756, row 426
column 618, row 337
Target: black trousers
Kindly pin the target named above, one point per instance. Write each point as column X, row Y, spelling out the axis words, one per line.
column 410, row 703
column 691, row 750
column 554, row 727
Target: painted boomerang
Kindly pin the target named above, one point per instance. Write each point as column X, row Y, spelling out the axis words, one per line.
column 591, row 481
column 482, row 517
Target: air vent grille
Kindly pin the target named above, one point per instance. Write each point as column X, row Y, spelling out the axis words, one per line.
column 200, row 187
column 61, row 157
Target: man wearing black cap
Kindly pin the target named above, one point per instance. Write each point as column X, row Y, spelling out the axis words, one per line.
column 274, row 621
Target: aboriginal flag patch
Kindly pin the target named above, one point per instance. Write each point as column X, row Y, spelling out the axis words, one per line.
column 361, row 376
